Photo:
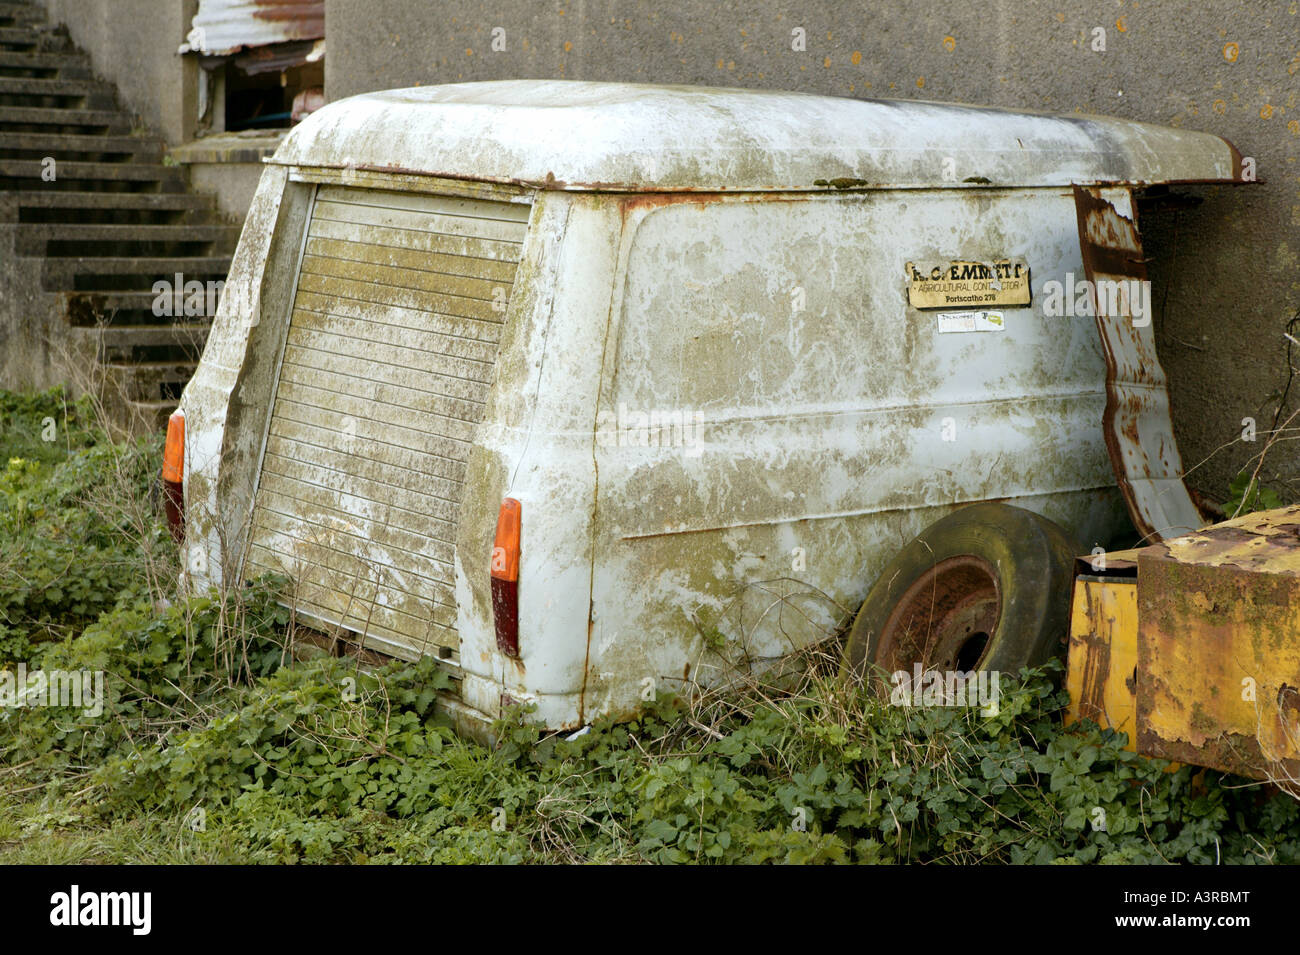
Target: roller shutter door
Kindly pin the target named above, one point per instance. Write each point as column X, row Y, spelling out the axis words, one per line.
column 391, row 347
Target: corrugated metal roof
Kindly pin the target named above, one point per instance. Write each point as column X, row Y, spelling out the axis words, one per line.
column 614, row 136
column 277, row 57
column 224, row 26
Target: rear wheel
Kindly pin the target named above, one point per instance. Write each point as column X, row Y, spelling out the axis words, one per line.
column 985, row 588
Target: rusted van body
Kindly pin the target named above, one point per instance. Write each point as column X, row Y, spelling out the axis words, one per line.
column 729, row 350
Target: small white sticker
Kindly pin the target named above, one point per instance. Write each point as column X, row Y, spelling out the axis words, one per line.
column 971, row 322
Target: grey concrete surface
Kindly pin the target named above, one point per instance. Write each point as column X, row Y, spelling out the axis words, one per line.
column 38, row 349
column 132, row 44
column 229, row 166
column 1227, row 273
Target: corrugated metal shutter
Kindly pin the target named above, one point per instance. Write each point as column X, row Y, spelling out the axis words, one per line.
column 224, row 26
column 390, row 352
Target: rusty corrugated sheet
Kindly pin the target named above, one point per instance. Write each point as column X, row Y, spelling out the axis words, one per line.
column 224, row 26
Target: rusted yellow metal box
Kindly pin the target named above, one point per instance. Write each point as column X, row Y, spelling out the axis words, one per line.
column 1200, row 650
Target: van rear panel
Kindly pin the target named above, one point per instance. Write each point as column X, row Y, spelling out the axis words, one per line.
column 397, row 314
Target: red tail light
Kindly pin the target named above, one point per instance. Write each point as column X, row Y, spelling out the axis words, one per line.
column 173, row 474
column 505, row 577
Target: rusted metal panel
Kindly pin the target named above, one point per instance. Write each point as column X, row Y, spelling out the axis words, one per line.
column 1219, row 647
column 282, row 56
column 569, row 135
column 390, row 348
column 1102, row 659
column 224, row 26
column 1137, row 425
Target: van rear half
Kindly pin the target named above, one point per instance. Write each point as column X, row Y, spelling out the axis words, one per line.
column 596, row 391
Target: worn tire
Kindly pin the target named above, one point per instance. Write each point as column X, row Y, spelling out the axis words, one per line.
column 988, row 571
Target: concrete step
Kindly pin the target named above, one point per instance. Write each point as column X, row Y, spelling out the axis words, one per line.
column 19, row 118
column 44, row 59
column 93, row 308
column 71, row 199
column 121, row 344
column 66, row 239
column 148, row 382
column 33, row 36
column 20, row 15
column 149, row 307
column 25, row 187
column 107, row 208
column 68, row 65
column 53, row 86
column 19, row 37
column 126, row 274
column 25, row 176
column 92, row 171
column 57, row 92
column 87, row 309
column 71, row 146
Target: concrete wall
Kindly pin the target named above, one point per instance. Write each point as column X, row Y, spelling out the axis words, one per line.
column 229, row 166
column 132, row 43
column 1228, row 272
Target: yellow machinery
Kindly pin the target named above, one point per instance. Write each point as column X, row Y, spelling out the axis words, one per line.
column 1192, row 646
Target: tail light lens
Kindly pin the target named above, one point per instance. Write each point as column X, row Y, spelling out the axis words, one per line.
column 505, row 577
column 173, row 474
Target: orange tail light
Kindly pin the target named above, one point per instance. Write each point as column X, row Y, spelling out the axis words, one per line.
column 173, row 468
column 173, row 474
column 505, row 577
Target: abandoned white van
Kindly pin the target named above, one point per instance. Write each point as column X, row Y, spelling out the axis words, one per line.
column 595, row 390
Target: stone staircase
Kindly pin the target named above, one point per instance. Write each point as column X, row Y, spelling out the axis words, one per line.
column 114, row 220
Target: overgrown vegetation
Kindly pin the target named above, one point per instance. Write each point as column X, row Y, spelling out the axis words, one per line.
column 214, row 746
column 1246, row 494
column 77, row 532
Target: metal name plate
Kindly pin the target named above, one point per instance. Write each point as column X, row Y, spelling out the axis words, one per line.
column 968, row 284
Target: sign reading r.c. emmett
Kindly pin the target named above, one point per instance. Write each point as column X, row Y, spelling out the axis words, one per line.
column 968, row 283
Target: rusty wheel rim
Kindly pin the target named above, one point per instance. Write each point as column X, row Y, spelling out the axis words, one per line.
column 945, row 620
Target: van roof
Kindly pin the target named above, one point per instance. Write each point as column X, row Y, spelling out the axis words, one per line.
column 563, row 134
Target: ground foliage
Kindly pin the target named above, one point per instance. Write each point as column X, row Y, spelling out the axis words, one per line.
column 215, row 746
